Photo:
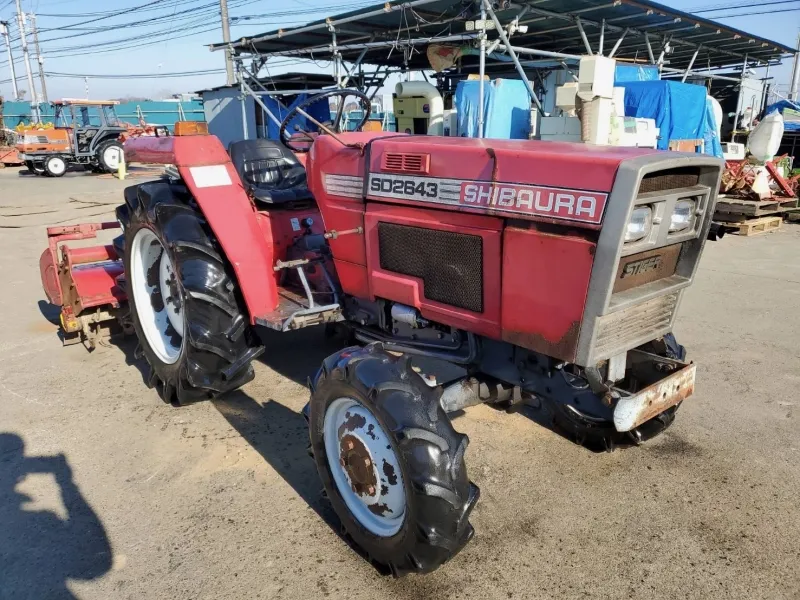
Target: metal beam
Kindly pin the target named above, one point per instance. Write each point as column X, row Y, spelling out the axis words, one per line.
column 602, row 38
column 691, row 64
column 579, row 23
column 512, row 53
column 386, row 9
column 636, row 31
column 649, row 48
column 617, row 45
column 386, row 44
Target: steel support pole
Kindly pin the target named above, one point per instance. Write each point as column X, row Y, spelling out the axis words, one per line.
column 739, row 97
column 249, row 90
column 795, row 73
column 617, row 45
column 691, row 64
column 336, row 56
column 568, row 70
column 511, row 51
column 4, row 32
column 226, row 37
column 762, row 105
column 586, row 43
column 602, row 37
column 39, row 58
column 649, row 49
column 26, row 58
column 481, row 73
column 663, row 53
column 243, row 99
column 356, row 65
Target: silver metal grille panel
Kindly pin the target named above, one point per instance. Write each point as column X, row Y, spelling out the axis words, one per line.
column 625, row 329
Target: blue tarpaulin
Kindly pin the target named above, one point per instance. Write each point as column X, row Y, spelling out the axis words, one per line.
column 681, row 111
column 790, row 112
column 624, row 73
column 506, row 109
column 319, row 110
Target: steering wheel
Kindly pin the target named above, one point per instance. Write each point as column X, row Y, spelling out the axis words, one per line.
column 334, row 128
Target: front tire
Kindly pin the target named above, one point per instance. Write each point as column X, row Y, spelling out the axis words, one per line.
column 55, row 166
column 109, row 155
column 390, row 461
column 191, row 324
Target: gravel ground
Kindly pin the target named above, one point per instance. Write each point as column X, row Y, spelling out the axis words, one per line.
column 105, row 492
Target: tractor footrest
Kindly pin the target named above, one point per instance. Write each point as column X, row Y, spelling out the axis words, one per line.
column 293, row 312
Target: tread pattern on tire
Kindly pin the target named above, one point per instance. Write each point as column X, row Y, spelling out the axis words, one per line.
column 212, row 304
column 440, row 496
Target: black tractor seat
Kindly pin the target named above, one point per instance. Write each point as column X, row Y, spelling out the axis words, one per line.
column 270, row 171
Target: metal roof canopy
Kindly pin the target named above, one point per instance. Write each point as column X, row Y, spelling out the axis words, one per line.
column 394, row 34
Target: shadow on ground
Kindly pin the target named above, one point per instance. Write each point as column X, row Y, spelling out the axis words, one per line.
column 40, row 551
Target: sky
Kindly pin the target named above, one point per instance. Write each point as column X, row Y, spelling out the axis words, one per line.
column 89, row 38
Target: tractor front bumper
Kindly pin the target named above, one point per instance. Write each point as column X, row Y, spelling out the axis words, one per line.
column 661, row 383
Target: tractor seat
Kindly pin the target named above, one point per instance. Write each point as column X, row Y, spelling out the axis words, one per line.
column 270, row 171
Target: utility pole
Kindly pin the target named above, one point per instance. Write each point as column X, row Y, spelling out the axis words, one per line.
column 795, row 74
column 39, row 58
column 24, row 42
column 226, row 37
column 4, row 33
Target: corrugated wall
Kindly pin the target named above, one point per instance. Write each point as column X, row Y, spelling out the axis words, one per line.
column 156, row 113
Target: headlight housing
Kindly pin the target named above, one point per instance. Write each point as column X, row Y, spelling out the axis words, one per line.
column 640, row 224
column 682, row 215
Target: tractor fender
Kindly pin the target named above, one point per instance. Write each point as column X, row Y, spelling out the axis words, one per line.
column 232, row 217
column 208, row 172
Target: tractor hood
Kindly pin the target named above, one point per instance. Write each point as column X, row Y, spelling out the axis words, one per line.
column 513, row 178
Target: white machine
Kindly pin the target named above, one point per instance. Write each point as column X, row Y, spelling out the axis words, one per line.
column 450, row 121
column 593, row 110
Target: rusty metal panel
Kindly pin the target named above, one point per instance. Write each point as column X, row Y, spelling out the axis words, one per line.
column 632, row 326
column 632, row 411
column 645, row 267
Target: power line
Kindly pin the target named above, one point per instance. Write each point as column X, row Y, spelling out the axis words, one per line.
column 733, row 6
column 760, row 12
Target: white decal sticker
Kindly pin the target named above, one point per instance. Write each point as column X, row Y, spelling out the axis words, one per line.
column 295, row 224
column 210, row 176
column 348, row 186
column 497, row 197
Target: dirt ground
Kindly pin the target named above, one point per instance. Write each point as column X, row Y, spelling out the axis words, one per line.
column 106, row 492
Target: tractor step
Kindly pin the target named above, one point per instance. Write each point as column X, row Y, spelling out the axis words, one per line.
column 293, row 312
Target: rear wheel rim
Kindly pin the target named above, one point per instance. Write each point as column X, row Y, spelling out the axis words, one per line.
column 364, row 466
column 156, row 294
column 111, row 157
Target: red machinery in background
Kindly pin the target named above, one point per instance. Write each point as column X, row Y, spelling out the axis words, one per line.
column 533, row 269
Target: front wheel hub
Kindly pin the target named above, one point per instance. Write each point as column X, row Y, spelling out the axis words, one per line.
column 365, row 467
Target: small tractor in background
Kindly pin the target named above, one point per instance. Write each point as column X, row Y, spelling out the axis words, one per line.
column 547, row 271
column 85, row 132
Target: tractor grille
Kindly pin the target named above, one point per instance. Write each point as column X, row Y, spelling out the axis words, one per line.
column 449, row 264
column 618, row 331
column 671, row 179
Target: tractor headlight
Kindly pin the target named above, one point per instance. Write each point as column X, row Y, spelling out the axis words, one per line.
column 681, row 216
column 640, row 224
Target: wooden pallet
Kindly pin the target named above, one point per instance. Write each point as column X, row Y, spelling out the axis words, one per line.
column 728, row 206
column 757, row 226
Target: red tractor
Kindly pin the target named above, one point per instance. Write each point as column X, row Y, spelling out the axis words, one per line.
column 541, row 270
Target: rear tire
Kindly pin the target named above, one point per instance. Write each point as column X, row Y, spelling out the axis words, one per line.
column 190, row 321
column 395, row 418
column 109, row 154
column 35, row 168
